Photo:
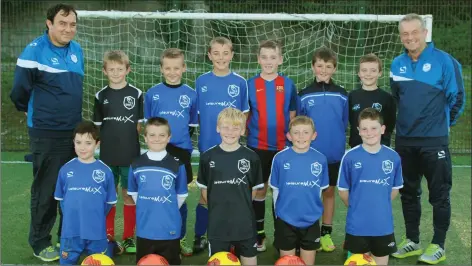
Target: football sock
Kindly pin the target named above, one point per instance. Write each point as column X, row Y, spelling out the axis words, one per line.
column 201, row 220
column 326, row 229
column 129, row 220
column 259, row 210
column 183, row 213
column 111, row 222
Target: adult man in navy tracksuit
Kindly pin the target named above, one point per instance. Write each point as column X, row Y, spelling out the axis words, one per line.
column 48, row 88
column 428, row 85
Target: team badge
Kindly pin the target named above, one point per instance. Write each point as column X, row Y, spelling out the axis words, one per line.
column 426, row 67
column 184, row 101
column 316, row 168
column 98, row 176
column 64, row 255
column 377, row 106
column 167, row 182
column 73, row 57
column 244, row 166
column 129, row 102
column 279, row 88
column 233, row 90
column 387, row 166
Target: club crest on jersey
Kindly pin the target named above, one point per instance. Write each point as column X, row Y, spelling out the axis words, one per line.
column 184, row 101
column 387, row 166
column 204, row 89
column 316, row 168
column 73, row 57
column 167, row 182
column 426, row 67
column 129, row 102
column 233, row 90
column 244, row 166
column 279, row 88
column 98, row 176
column 377, row 106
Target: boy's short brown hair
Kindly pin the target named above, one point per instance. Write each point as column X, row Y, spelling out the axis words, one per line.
column 370, row 113
column 233, row 116
column 87, row 127
column 157, row 121
column 118, row 56
column 270, row 44
column 172, row 53
column 371, row 58
column 301, row 120
column 325, row 54
column 222, row 41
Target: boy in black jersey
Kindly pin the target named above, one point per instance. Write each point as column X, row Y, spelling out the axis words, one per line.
column 229, row 175
column 370, row 95
column 118, row 110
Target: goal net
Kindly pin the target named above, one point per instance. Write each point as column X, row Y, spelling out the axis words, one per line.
column 144, row 35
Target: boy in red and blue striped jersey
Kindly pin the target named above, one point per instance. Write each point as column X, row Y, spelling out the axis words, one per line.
column 273, row 103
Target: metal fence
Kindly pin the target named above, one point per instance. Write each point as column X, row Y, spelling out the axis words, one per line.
column 22, row 21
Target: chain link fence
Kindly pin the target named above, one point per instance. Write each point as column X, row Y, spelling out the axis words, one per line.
column 22, row 21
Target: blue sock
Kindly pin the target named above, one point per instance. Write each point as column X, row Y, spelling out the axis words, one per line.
column 183, row 213
column 201, row 220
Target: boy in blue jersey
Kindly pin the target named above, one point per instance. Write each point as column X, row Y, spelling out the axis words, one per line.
column 327, row 104
column 229, row 175
column 273, row 103
column 86, row 190
column 369, row 179
column 158, row 185
column 177, row 103
column 298, row 177
column 216, row 90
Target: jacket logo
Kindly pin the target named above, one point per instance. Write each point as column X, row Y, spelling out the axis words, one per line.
column 129, row 102
column 426, row 67
column 54, row 61
column 73, row 57
column 403, row 69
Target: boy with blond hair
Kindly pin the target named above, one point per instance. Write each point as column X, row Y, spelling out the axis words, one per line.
column 273, row 102
column 326, row 103
column 229, row 175
column 299, row 175
column 216, row 90
column 118, row 110
column 177, row 103
column 370, row 95
column 369, row 179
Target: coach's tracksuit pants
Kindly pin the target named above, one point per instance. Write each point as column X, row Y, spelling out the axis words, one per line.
column 435, row 164
column 49, row 155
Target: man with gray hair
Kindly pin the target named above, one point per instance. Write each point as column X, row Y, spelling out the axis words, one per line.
column 428, row 87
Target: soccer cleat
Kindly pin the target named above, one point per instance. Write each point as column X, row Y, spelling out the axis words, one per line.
column 185, row 249
column 199, row 244
column 261, row 244
column 407, row 248
column 327, row 244
column 129, row 245
column 48, row 254
column 433, row 254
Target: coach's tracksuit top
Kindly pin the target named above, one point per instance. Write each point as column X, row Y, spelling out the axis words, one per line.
column 432, row 96
column 48, row 85
column 327, row 105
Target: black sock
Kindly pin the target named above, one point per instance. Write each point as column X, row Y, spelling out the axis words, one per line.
column 326, row 229
column 259, row 210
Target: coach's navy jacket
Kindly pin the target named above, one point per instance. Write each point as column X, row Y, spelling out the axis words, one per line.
column 48, row 85
column 430, row 96
column 327, row 105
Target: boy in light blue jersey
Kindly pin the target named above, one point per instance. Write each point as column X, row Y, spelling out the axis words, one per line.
column 298, row 177
column 177, row 103
column 370, row 177
column 86, row 190
column 216, row 90
column 158, row 185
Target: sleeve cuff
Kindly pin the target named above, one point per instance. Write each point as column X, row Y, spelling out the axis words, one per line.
column 343, row 189
column 56, row 198
column 258, row 186
column 397, row 187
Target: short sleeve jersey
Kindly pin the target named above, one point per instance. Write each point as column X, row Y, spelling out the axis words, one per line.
column 230, row 178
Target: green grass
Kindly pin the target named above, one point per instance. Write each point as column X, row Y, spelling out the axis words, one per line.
column 15, row 196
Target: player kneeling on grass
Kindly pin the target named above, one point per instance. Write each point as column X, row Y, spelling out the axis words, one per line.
column 86, row 191
column 229, row 175
column 369, row 179
column 298, row 176
column 157, row 182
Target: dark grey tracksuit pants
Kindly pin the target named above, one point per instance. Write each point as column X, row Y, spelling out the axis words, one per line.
column 435, row 164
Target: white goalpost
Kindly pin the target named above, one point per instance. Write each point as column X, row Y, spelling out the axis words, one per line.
column 144, row 35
